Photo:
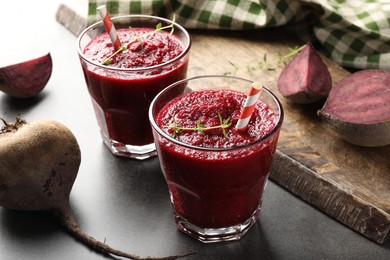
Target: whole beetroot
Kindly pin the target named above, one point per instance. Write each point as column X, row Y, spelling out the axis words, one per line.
column 306, row 78
column 358, row 108
column 39, row 164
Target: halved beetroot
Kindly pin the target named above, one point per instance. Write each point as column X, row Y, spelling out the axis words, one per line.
column 26, row 79
column 358, row 108
column 306, row 78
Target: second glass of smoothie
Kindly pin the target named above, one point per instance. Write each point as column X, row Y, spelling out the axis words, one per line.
column 215, row 173
column 123, row 85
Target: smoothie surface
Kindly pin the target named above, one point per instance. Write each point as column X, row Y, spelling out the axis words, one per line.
column 207, row 108
column 156, row 48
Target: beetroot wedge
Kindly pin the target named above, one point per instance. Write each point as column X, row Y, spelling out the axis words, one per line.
column 26, row 79
column 306, row 78
column 358, row 108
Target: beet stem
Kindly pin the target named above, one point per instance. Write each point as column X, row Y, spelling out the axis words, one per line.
column 9, row 127
column 4, row 122
column 68, row 221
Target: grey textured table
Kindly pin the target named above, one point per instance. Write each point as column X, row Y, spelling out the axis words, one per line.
column 125, row 202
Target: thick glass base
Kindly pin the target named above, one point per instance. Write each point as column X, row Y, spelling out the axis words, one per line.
column 130, row 151
column 212, row 235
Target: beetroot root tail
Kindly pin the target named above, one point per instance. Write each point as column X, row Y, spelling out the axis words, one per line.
column 68, row 221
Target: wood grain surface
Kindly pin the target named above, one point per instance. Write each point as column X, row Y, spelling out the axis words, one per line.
column 347, row 182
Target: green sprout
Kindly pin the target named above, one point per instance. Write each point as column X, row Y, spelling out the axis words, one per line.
column 224, row 124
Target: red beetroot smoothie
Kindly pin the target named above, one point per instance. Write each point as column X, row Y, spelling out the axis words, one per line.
column 213, row 189
column 124, row 97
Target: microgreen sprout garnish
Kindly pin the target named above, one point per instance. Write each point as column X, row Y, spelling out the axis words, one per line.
column 125, row 46
column 235, row 67
column 291, row 53
column 266, row 62
column 224, row 124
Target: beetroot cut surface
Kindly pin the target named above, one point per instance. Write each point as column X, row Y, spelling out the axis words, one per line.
column 306, row 78
column 26, row 79
column 358, row 108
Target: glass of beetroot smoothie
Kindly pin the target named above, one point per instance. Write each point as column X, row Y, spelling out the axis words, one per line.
column 215, row 173
column 123, row 84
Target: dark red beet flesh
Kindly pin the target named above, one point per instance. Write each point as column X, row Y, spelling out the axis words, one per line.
column 26, row 79
column 306, row 78
column 362, row 97
column 358, row 108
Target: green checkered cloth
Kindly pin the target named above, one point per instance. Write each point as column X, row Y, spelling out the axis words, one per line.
column 354, row 33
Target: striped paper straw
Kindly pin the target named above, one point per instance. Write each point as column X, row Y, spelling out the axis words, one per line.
column 249, row 106
column 109, row 26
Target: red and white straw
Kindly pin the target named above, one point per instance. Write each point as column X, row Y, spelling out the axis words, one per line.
column 110, row 28
column 249, row 106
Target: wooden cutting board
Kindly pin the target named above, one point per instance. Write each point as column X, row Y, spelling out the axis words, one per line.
column 347, row 182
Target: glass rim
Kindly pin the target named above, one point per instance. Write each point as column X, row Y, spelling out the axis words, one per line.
column 100, row 23
column 279, row 119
